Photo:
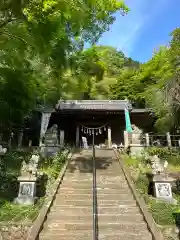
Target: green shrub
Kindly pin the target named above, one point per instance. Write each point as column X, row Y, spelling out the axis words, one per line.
column 10, row 166
column 11, row 161
column 142, row 184
column 171, row 155
column 162, row 212
column 57, row 163
column 52, row 166
column 14, row 213
column 161, row 152
column 174, row 160
column 131, row 161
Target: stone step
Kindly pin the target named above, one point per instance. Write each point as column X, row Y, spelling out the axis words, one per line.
column 98, row 179
column 80, row 197
column 98, row 176
column 60, row 226
column 75, row 186
column 113, row 167
column 101, row 217
column 87, row 235
column 86, row 167
column 71, row 202
column 71, row 218
column 90, row 185
column 69, row 190
column 86, row 210
column 98, row 182
column 89, row 202
column 90, row 178
column 77, row 170
column 88, row 172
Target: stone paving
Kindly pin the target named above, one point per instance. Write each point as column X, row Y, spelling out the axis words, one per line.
column 70, row 217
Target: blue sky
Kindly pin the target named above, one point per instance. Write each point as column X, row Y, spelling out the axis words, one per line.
column 146, row 27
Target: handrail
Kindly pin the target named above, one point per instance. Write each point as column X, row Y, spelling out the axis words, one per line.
column 95, row 227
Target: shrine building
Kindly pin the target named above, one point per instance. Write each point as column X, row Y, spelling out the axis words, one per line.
column 73, row 116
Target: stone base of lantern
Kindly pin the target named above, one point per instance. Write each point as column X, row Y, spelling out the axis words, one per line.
column 25, row 200
column 27, row 190
column 162, row 189
column 49, row 151
column 136, row 150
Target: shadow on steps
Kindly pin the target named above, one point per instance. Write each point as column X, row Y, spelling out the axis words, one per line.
column 85, row 165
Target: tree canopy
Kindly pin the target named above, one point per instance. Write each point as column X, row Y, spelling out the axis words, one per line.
column 38, row 40
column 155, row 85
column 43, row 59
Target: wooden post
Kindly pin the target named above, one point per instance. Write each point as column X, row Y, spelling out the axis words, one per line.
column 20, row 139
column 168, row 139
column 147, row 140
column 77, row 136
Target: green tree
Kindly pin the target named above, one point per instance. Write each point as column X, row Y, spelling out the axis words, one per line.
column 37, row 40
column 95, row 70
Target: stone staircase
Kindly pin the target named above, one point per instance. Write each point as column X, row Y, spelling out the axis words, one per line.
column 71, row 218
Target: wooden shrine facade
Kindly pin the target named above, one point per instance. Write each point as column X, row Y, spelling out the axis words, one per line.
column 71, row 116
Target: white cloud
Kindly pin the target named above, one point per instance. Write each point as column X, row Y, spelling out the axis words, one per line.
column 126, row 30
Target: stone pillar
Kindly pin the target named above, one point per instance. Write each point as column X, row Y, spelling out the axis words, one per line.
column 77, row 136
column 126, row 141
column 109, row 137
column 147, row 140
column 10, row 140
column 44, row 125
column 20, row 138
column 132, row 138
column 61, row 137
column 168, row 139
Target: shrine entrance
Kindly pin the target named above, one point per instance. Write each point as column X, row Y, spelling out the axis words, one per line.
column 74, row 127
column 74, row 117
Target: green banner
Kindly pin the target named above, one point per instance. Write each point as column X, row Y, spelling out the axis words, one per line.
column 128, row 121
